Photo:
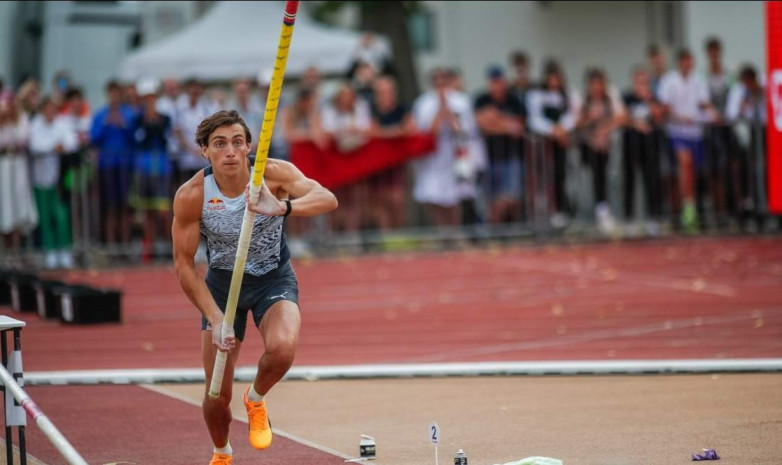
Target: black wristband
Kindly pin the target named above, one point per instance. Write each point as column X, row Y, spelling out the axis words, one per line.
column 288, row 208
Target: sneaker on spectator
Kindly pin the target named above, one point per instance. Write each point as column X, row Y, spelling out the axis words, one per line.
column 50, row 262
column 689, row 219
column 65, row 258
column 605, row 220
column 559, row 221
column 653, row 228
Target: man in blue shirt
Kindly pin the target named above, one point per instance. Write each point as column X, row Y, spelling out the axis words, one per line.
column 112, row 135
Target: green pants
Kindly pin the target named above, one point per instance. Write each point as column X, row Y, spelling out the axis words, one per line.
column 53, row 219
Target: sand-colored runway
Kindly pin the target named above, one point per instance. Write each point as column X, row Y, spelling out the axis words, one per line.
column 611, row 420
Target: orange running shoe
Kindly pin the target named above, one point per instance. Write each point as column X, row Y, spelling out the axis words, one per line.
column 221, row 459
column 260, row 428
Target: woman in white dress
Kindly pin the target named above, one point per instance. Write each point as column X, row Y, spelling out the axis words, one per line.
column 18, row 214
column 446, row 176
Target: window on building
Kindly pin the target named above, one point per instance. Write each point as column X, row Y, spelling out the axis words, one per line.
column 421, row 26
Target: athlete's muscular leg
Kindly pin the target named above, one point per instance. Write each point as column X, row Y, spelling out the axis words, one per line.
column 280, row 330
column 217, row 412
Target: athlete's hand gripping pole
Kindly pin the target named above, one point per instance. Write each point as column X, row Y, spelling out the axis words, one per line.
column 261, row 154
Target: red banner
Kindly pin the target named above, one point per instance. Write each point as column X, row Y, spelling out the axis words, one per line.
column 774, row 102
column 334, row 169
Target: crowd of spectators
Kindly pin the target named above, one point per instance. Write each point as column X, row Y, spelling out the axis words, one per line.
column 681, row 133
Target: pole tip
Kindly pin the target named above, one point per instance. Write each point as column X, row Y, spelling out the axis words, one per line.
column 290, row 12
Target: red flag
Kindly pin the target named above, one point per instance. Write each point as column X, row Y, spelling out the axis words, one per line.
column 334, row 169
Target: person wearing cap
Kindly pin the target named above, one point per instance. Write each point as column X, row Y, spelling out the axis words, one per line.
column 152, row 167
column 500, row 116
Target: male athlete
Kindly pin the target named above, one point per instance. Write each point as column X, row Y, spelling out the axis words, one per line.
column 212, row 204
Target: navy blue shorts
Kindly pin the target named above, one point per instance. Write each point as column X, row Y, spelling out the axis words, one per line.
column 257, row 295
column 506, row 176
column 694, row 146
column 114, row 187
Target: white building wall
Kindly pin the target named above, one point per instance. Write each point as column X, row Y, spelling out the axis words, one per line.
column 91, row 52
column 473, row 35
column 739, row 24
column 7, row 15
column 161, row 19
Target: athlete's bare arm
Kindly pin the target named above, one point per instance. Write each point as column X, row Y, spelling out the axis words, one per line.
column 283, row 180
column 185, row 231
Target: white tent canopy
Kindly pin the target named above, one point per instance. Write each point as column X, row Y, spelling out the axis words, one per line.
column 239, row 39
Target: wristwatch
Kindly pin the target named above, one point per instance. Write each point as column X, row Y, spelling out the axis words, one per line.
column 288, row 208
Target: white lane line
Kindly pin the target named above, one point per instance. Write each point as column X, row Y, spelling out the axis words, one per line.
column 585, row 337
column 243, row 418
column 410, row 370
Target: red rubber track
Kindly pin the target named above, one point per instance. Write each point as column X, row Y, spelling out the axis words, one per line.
column 109, row 424
column 665, row 299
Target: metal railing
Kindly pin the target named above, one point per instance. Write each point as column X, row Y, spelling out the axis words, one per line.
column 538, row 203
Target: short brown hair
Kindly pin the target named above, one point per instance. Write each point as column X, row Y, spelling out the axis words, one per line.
column 713, row 43
column 218, row 120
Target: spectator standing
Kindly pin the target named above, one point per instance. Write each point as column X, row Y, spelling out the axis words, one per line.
column 390, row 119
column 347, row 121
column 167, row 101
column 552, row 115
column 112, row 135
column 152, row 169
column 29, row 99
column 167, row 105
column 655, row 57
column 718, row 135
column 746, row 108
column 18, row 214
column 686, row 98
column 190, row 111
column 218, row 98
column 363, row 80
column 373, row 52
column 73, row 170
column 249, row 108
column 50, row 138
column 312, row 79
column 644, row 147
column 301, row 123
column 448, row 114
column 500, row 116
column 61, row 82
column 130, row 97
column 521, row 81
column 471, row 159
column 599, row 116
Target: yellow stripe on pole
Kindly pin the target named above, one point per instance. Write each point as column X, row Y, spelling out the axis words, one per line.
column 261, row 155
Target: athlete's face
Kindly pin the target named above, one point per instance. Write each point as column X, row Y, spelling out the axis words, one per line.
column 227, row 149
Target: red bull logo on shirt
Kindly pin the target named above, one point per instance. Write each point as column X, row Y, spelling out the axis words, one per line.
column 214, row 204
